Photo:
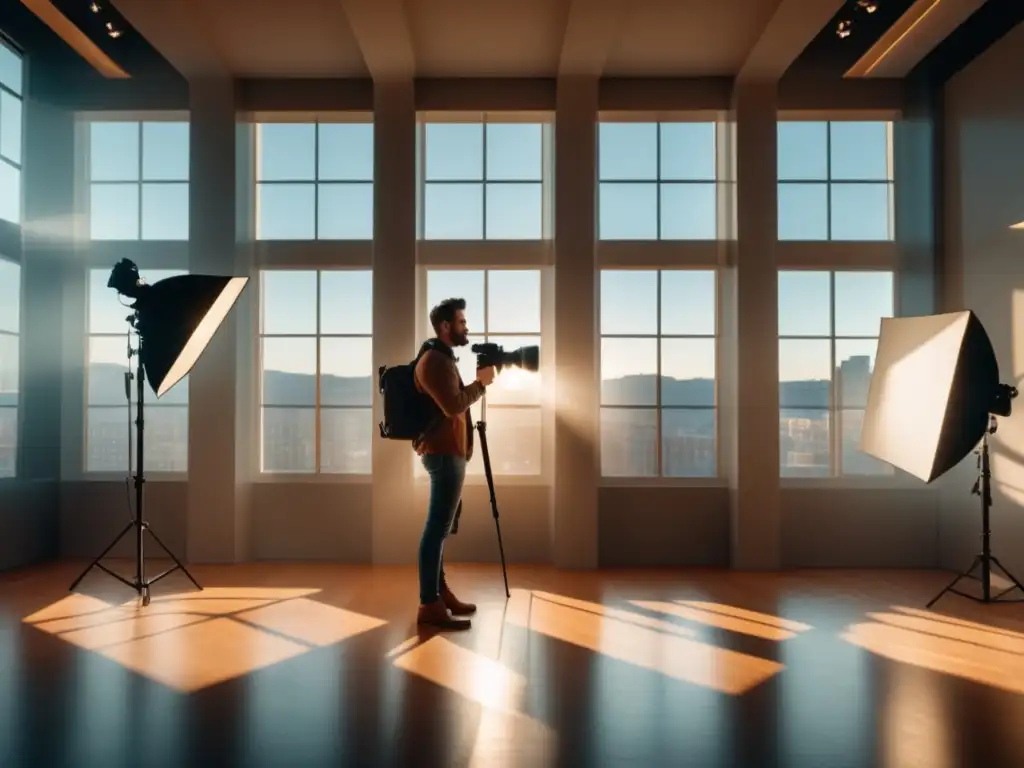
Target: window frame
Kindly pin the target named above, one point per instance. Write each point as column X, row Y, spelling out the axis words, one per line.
column 256, row 455
column 315, row 182
column 835, row 409
column 660, row 479
column 140, row 182
column 425, row 331
column 830, row 182
column 17, row 335
column 16, row 164
column 151, row 402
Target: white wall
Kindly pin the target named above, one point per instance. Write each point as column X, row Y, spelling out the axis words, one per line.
column 984, row 197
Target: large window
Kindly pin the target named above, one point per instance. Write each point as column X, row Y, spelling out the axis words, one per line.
column 835, row 181
column 658, row 366
column 828, row 333
column 484, row 181
column 138, row 181
column 10, row 134
column 657, row 181
column 316, row 359
column 502, row 307
column 314, row 181
column 109, row 417
column 10, row 351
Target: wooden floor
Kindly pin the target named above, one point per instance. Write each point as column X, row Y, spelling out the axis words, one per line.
column 306, row 666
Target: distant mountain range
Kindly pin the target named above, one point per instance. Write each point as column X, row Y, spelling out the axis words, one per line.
column 106, row 384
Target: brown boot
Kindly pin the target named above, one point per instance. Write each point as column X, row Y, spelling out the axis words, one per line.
column 456, row 606
column 437, row 615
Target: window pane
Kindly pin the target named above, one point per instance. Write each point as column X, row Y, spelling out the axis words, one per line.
column 804, row 443
column 853, row 461
column 688, row 372
column 862, row 300
column 346, row 301
column 805, row 303
column 689, row 212
column 688, row 446
column 345, row 212
column 345, row 152
column 628, row 211
column 346, row 371
column 514, row 212
column 629, row 442
column 803, row 151
column 166, row 439
column 289, row 371
column 165, row 211
column 108, row 363
column 513, row 301
column 455, row 152
column 114, row 212
column 8, row 441
column 629, row 369
column 108, row 309
column 165, row 151
column 453, row 212
column 861, row 212
column 629, row 301
column 805, row 372
column 514, row 386
column 10, row 69
column 285, row 212
column 10, row 127
column 628, row 151
column 860, row 151
column 688, row 299
column 10, row 366
column 113, row 151
column 855, row 361
column 803, row 211
column 10, row 193
column 288, row 440
column 288, row 302
column 287, row 152
column 688, row 151
column 10, row 296
column 459, row 284
column 514, row 152
column 514, row 441
column 346, row 440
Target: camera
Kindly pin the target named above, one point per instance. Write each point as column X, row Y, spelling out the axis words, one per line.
column 527, row 358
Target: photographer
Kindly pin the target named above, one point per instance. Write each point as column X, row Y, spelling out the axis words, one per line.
column 444, row 451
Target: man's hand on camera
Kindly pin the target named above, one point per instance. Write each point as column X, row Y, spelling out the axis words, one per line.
column 485, row 375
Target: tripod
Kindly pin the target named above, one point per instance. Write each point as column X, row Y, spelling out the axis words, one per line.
column 140, row 583
column 481, row 427
column 986, row 560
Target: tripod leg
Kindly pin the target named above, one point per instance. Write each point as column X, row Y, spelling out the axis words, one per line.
column 966, row 574
column 173, row 557
column 1007, row 574
column 103, row 554
column 481, row 427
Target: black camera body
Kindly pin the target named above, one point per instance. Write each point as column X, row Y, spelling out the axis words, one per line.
column 527, row 358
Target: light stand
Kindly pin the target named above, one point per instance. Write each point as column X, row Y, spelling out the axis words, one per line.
column 986, row 561
column 481, row 427
column 140, row 583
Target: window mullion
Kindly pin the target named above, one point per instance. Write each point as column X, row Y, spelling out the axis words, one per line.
column 318, row 414
column 657, row 381
column 834, row 428
column 316, row 235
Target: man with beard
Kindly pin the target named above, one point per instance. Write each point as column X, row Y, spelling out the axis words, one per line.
column 445, row 450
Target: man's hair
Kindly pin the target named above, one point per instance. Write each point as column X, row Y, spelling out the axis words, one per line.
column 445, row 312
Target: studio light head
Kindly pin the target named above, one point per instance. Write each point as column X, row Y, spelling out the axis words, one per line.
column 176, row 318
column 527, row 358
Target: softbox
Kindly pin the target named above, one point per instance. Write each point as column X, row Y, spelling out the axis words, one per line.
column 935, row 383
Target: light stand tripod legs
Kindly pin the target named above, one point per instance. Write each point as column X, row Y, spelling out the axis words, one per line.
column 481, row 427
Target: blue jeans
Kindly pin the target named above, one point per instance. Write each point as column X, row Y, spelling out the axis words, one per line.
column 447, row 474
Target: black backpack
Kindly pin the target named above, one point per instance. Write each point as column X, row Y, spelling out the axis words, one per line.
column 408, row 413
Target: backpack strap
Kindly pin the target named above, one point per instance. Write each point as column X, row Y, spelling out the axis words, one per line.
column 430, row 344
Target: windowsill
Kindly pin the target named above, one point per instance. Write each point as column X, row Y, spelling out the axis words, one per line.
column 663, row 482
column 534, row 481
column 315, row 478
column 855, row 483
column 111, row 477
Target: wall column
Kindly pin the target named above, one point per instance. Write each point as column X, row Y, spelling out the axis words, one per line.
column 396, row 525
column 750, row 298
column 219, row 410
column 577, row 470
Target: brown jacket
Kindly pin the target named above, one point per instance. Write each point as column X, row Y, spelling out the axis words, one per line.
column 437, row 375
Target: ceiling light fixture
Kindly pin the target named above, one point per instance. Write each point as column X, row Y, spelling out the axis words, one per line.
column 94, row 7
column 112, row 31
column 845, row 27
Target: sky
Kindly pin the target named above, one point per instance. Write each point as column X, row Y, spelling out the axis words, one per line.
column 485, row 182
